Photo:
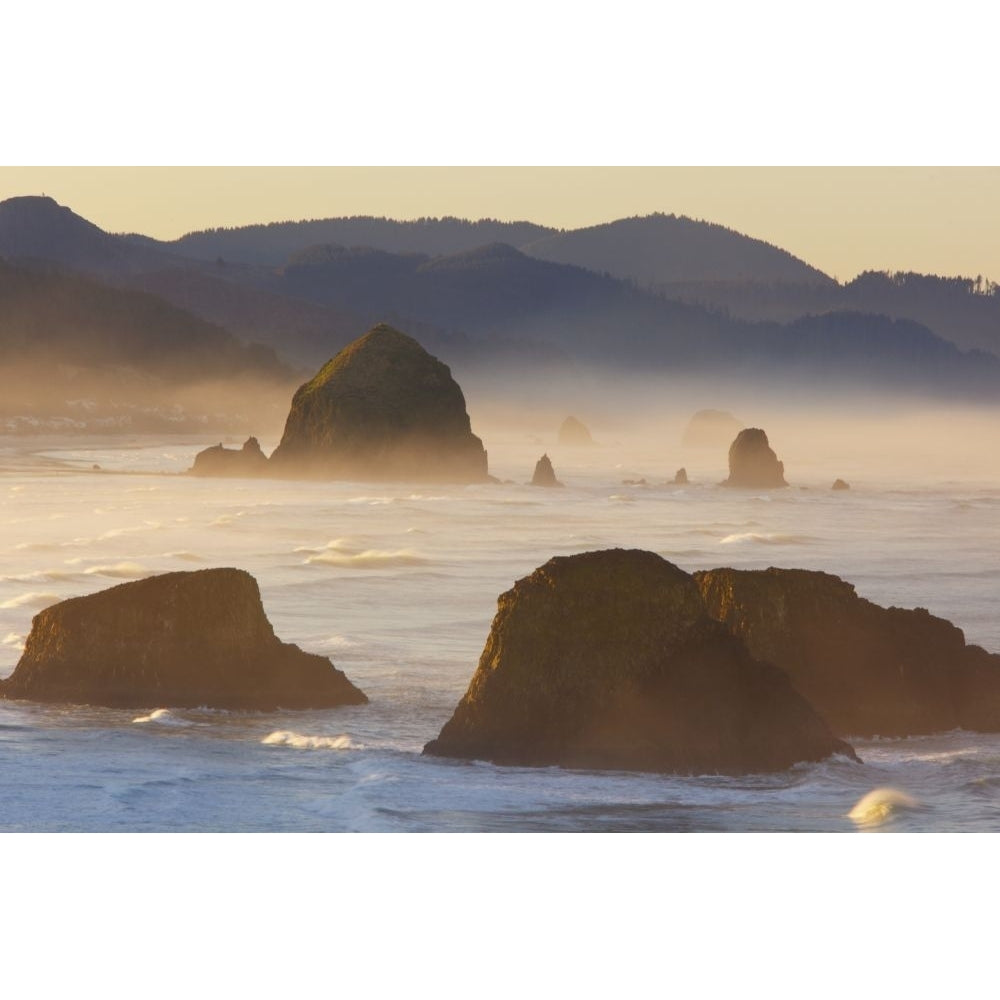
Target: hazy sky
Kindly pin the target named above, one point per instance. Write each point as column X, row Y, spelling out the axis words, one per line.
column 841, row 219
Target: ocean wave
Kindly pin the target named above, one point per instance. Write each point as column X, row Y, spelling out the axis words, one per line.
column 765, row 538
column 369, row 559
column 622, row 498
column 286, row 738
column 162, row 717
column 41, row 576
column 338, row 642
column 186, row 556
column 33, row 599
column 880, row 805
column 119, row 571
column 37, row 547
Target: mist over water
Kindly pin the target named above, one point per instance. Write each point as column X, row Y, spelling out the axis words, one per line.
column 398, row 585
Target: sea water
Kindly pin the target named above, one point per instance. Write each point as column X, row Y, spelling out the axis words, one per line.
column 397, row 583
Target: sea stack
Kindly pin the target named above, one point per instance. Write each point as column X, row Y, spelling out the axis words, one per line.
column 868, row 670
column 839, row 484
column 681, row 477
column 181, row 640
column 249, row 460
column 574, row 433
column 710, row 429
column 544, row 475
column 752, row 463
column 383, row 408
column 609, row 660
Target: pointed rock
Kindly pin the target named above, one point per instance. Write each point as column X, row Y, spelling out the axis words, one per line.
column 574, row 433
column 752, row 463
column 544, row 475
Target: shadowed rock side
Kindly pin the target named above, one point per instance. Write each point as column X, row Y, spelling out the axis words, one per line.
column 218, row 461
column 383, row 408
column 681, row 477
column 752, row 463
column 574, row 433
column 608, row 660
column 176, row 640
column 544, row 475
column 710, row 429
column 868, row 670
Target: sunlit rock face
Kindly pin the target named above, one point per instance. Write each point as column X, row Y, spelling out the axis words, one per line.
column 176, row 640
column 609, row 660
column 710, row 429
column 249, row 460
column 383, row 408
column 868, row 670
column 752, row 463
column 574, row 433
column 544, row 474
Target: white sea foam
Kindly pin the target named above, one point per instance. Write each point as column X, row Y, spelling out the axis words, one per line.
column 622, row 498
column 339, row 642
column 369, row 558
column 162, row 717
column 33, row 599
column 286, row 738
column 764, row 538
column 119, row 571
column 879, row 805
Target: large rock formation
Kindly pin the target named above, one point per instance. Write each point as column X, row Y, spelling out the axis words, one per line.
column 752, row 463
column 710, row 429
column 249, row 460
column 868, row 670
column 544, row 475
column 383, row 408
column 609, row 660
column 574, row 433
column 180, row 639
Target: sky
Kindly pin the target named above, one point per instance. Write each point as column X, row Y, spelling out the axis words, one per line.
column 843, row 220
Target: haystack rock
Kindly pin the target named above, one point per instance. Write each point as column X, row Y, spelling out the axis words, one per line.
column 176, row 640
column 609, row 660
column 681, row 477
column 752, row 463
column 574, row 433
column 710, row 429
column 544, row 475
column 249, row 460
column 839, row 484
column 868, row 670
column 383, row 408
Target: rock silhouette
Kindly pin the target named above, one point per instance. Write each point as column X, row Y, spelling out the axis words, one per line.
column 839, row 484
column 177, row 640
column 574, row 433
column 544, row 475
column 609, row 660
column 383, row 408
column 868, row 670
column 752, row 463
column 681, row 477
column 219, row 461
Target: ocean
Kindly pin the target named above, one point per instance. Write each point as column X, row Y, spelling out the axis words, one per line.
column 398, row 583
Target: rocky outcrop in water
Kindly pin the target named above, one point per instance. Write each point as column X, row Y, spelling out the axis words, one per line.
column 681, row 477
column 868, row 670
column 609, row 660
column 249, row 460
column 839, row 484
column 383, row 408
column 544, row 475
column 176, row 640
column 710, row 429
column 752, row 463
column 574, row 433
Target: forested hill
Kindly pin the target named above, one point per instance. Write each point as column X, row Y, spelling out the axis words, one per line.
column 655, row 249
column 275, row 242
